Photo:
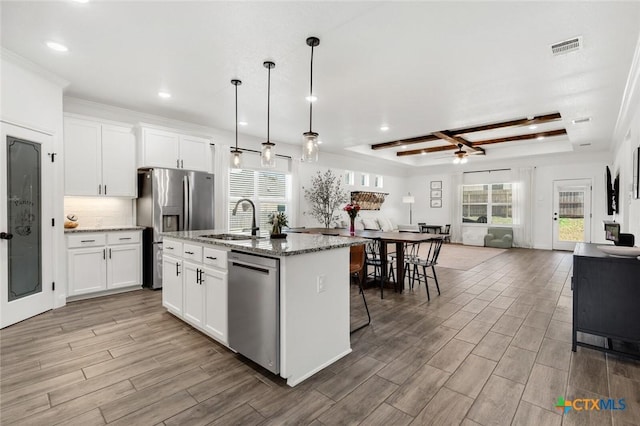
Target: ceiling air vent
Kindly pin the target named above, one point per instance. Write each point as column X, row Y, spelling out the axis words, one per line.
column 566, row 46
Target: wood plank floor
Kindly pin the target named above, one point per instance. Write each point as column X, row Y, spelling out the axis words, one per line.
column 494, row 348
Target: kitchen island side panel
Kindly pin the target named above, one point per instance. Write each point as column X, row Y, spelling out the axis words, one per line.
column 314, row 325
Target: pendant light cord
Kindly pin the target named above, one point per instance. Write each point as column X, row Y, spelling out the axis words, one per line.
column 268, row 102
column 236, row 117
column 311, row 93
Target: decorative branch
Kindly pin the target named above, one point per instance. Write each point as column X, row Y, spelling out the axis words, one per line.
column 325, row 196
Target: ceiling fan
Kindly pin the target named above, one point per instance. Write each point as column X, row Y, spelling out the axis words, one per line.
column 460, row 155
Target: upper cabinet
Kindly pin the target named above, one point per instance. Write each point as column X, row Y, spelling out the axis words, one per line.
column 161, row 148
column 99, row 158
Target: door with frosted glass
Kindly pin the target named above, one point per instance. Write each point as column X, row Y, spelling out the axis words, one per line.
column 25, row 224
column 571, row 213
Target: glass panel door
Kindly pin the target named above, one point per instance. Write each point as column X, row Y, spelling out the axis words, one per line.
column 571, row 214
column 24, row 218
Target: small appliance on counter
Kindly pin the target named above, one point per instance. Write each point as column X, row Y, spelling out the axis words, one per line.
column 170, row 200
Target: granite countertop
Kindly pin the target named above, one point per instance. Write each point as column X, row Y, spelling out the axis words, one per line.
column 103, row 229
column 292, row 245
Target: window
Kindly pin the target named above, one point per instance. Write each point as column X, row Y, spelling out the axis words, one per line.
column 490, row 204
column 364, row 179
column 378, row 181
column 269, row 191
column 349, row 178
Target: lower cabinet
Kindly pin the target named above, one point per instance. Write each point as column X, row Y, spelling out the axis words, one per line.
column 100, row 261
column 194, row 288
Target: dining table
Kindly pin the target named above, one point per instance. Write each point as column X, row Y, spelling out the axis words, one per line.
column 385, row 238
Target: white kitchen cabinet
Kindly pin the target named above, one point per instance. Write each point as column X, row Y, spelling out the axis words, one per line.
column 162, row 148
column 87, row 270
column 193, row 294
column 102, row 261
column 172, row 284
column 215, row 303
column 194, row 286
column 99, row 159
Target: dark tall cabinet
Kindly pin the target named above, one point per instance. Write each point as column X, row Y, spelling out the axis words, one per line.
column 606, row 296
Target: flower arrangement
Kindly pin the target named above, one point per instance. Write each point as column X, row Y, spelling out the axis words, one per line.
column 352, row 210
column 277, row 220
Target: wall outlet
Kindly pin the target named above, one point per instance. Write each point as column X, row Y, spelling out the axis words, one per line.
column 321, row 284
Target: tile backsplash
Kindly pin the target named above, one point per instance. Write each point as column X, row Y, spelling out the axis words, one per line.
column 100, row 211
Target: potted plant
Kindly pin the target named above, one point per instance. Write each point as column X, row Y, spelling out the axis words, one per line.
column 277, row 221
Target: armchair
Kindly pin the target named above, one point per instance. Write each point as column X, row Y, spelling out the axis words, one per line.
column 499, row 237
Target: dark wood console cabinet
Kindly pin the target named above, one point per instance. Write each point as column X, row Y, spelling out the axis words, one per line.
column 606, row 297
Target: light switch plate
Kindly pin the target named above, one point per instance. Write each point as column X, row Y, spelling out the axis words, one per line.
column 321, row 284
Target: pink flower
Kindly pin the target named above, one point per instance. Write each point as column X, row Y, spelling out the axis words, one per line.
column 352, row 210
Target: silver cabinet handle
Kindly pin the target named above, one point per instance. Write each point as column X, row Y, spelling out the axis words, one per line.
column 128, row 238
column 87, row 241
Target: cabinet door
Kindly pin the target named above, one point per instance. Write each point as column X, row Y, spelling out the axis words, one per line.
column 123, row 266
column 195, row 154
column 172, row 284
column 87, row 270
column 215, row 317
column 118, row 161
column 193, row 295
column 82, row 162
column 160, row 149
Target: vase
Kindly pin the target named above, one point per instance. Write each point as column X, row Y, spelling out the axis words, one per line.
column 352, row 226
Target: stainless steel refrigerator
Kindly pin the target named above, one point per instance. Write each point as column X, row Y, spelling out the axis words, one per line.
column 170, row 200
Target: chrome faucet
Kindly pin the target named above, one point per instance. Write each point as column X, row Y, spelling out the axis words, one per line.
column 254, row 228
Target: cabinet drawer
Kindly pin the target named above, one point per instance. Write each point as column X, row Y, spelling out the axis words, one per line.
column 192, row 252
column 172, row 247
column 128, row 237
column 215, row 257
column 86, row 240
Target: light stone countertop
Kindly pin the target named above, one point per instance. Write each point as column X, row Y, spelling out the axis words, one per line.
column 103, row 229
column 294, row 243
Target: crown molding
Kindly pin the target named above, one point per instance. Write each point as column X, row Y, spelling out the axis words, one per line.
column 8, row 55
column 630, row 101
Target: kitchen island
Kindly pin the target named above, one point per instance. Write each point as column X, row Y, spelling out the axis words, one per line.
column 313, row 292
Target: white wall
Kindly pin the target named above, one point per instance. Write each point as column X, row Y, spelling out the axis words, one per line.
column 32, row 97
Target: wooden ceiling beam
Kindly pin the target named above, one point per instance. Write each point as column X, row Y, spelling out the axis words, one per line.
column 409, row 141
column 426, row 150
column 539, row 119
column 456, row 140
column 547, row 134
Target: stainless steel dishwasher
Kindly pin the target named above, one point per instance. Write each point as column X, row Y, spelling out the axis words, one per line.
column 254, row 308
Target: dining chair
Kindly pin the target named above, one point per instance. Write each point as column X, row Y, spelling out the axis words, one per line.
column 410, row 251
column 422, row 264
column 447, row 232
column 356, row 265
column 372, row 258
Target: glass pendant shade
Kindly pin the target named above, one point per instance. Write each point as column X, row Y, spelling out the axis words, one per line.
column 310, row 147
column 268, row 155
column 236, row 159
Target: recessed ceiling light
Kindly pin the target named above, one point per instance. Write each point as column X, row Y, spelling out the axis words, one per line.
column 533, row 127
column 404, row 147
column 319, row 142
column 57, row 46
column 540, row 138
column 242, row 123
column 384, row 128
column 581, row 120
column 423, row 153
column 311, row 98
column 164, row 95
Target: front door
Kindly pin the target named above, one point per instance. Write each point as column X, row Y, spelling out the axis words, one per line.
column 571, row 213
column 25, row 224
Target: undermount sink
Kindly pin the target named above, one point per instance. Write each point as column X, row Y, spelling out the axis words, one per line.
column 230, row 237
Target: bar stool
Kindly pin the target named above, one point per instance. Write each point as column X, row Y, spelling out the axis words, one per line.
column 356, row 265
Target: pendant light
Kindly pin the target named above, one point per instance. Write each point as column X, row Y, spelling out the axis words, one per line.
column 236, row 154
column 267, row 154
column 310, row 138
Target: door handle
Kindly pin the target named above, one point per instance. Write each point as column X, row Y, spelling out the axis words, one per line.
column 5, row 236
column 105, row 190
column 199, row 276
column 104, row 254
column 109, row 253
column 177, row 269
